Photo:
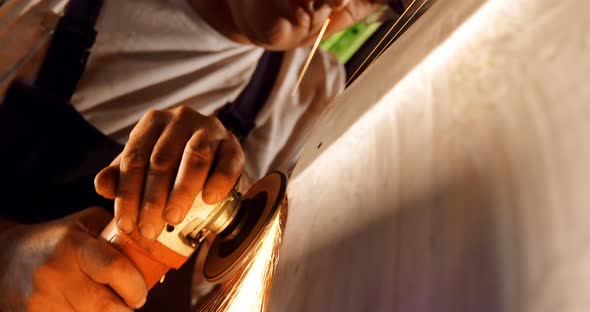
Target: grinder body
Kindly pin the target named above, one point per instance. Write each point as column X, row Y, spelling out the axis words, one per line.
column 175, row 245
column 152, row 258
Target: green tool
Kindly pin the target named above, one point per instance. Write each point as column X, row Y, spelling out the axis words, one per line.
column 345, row 43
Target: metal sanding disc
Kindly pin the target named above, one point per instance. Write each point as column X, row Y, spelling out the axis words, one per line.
column 257, row 209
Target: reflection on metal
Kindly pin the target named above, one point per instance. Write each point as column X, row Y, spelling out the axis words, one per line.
column 216, row 220
column 410, row 20
column 452, row 175
column 258, row 208
column 401, row 17
column 200, row 220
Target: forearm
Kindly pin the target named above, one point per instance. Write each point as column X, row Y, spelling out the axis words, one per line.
column 6, row 224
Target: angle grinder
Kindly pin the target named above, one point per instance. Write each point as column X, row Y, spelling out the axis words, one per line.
column 233, row 226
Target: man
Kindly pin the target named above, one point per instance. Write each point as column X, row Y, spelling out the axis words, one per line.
column 171, row 58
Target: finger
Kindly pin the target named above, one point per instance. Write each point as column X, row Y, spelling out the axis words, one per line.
column 196, row 161
column 134, row 162
column 91, row 296
column 48, row 304
column 93, row 220
column 226, row 171
column 105, row 265
column 48, row 292
column 164, row 164
column 106, row 181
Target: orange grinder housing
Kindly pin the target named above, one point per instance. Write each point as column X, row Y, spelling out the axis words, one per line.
column 234, row 225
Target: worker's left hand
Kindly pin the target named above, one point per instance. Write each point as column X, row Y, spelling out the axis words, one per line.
column 170, row 157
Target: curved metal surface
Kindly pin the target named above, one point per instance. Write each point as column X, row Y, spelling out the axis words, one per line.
column 455, row 178
column 257, row 208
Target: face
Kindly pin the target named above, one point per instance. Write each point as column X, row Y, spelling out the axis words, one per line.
column 286, row 24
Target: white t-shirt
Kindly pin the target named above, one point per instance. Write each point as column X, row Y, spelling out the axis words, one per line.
column 159, row 54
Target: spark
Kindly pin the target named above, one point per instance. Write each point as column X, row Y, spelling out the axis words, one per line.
column 380, row 42
column 310, row 56
column 251, row 293
column 402, row 28
column 395, row 36
column 248, row 291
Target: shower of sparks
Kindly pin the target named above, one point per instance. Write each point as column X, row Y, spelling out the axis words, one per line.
column 311, row 54
column 248, row 291
column 250, row 294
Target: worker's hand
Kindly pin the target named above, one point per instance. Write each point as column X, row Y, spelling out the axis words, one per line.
column 63, row 266
column 170, row 157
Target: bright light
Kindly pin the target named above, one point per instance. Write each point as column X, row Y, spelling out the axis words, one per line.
column 251, row 293
column 248, row 290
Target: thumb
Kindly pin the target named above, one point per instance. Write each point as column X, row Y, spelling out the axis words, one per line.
column 106, row 181
column 93, row 220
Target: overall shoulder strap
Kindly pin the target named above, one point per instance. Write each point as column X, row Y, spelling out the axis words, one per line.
column 75, row 35
column 68, row 52
column 240, row 116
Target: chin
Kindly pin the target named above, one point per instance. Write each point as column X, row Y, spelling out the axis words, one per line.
column 274, row 25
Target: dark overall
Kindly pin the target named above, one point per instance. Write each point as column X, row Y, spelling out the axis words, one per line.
column 49, row 154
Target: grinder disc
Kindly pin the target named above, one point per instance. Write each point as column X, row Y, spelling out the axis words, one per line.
column 257, row 209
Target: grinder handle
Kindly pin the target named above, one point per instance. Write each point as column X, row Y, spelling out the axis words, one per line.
column 148, row 256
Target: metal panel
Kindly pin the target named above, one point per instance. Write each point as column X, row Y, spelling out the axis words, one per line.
column 452, row 176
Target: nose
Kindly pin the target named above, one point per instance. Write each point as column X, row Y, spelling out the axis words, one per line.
column 334, row 4
column 338, row 4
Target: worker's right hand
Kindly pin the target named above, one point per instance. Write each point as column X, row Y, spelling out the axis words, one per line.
column 170, row 157
column 64, row 266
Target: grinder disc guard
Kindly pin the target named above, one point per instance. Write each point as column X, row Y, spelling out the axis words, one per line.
column 258, row 208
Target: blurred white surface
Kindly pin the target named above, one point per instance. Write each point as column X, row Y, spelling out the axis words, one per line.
column 452, row 176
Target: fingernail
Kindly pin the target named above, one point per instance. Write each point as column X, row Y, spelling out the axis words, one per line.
column 125, row 224
column 141, row 303
column 210, row 197
column 148, row 231
column 173, row 216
